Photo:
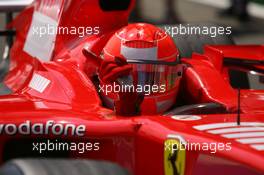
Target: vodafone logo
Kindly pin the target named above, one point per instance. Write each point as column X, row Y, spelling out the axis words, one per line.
column 48, row 128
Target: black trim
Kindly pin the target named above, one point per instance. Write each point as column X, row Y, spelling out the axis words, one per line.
column 238, row 79
column 7, row 33
column 237, row 61
column 114, row 5
column 199, row 109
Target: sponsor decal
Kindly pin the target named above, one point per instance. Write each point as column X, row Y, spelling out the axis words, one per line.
column 39, row 83
column 174, row 158
column 47, row 128
column 247, row 133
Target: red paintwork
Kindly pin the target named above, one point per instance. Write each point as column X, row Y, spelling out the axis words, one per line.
column 137, row 142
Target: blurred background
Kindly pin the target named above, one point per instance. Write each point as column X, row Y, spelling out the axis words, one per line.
column 245, row 16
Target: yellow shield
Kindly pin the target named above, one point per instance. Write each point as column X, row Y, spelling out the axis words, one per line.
column 174, row 157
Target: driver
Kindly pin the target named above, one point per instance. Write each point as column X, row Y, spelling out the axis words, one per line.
column 141, row 63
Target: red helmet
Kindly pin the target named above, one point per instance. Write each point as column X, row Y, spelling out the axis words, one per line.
column 155, row 61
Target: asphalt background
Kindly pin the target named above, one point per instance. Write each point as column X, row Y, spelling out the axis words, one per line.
column 193, row 11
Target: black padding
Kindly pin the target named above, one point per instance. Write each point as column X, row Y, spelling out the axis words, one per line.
column 114, row 5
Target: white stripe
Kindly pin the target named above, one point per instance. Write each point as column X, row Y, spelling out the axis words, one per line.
column 9, row 3
column 42, row 84
column 242, row 135
column 40, row 45
column 251, row 140
column 226, row 125
column 39, row 83
column 139, row 53
column 259, row 147
column 230, row 130
column 32, row 83
column 219, row 4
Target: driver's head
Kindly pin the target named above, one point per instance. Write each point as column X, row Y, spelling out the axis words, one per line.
column 154, row 58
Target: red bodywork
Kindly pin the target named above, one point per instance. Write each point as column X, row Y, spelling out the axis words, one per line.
column 136, row 143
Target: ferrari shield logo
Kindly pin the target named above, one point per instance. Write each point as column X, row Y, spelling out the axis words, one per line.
column 174, row 157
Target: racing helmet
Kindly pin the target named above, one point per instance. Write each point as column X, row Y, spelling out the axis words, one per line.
column 154, row 58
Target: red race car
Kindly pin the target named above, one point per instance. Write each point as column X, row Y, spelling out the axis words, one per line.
column 54, row 121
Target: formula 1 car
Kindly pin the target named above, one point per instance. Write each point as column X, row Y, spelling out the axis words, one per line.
column 48, row 95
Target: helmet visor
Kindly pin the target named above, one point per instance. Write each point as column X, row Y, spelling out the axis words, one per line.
column 157, row 78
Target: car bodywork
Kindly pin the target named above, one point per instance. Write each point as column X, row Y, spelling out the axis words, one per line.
column 58, row 86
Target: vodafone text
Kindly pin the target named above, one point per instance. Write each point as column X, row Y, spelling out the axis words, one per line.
column 47, row 128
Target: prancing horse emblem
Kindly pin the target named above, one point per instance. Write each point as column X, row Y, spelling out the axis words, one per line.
column 174, row 158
